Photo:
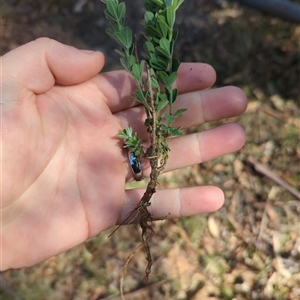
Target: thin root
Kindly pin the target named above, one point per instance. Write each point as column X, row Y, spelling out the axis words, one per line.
column 124, row 269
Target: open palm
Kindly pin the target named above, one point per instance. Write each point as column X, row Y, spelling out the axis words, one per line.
column 63, row 169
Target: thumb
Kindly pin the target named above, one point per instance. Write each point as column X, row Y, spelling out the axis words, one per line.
column 40, row 64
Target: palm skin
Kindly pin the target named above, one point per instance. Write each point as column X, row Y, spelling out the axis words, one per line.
column 63, row 169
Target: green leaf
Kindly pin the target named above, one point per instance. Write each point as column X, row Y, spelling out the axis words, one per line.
column 154, row 82
column 131, row 60
column 167, row 80
column 109, row 17
column 163, row 77
column 165, row 44
column 158, row 2
column 148, row 16
column 112, row 9
column 121, row 11
column 175, row 132
column 163, row 28
column 164, row 48
column 122, row 135
column 120, row 53
column 149, row 50
column 136, row 71
column 131, row 49
column 162, row 104
column 151, row 31
column 162, row 52
column 176, row 4
column 172, row 78
column 162, row 97
column 142, row 66
column 161, row 25
column 119, row 39
column 124, row 63
column 111, row 33
column 175, row 35
column 158, row 64
column 174, row 94
column 169, row 118
column 126, row 133
column 175, row 64
column 149, row 47
column 168, row 3
column 170, row 16
column 163, row 127
column 155, row 40
column 114, row 27
column 124, row 36
column 140, row 96
column 179, row 112
column 127, row 62
column 150, row 6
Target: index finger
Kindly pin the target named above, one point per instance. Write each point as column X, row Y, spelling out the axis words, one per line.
column 118, row 87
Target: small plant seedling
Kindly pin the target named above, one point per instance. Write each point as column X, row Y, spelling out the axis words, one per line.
column 154, row 76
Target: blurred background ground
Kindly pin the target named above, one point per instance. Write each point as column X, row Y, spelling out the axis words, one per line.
column 249, row 249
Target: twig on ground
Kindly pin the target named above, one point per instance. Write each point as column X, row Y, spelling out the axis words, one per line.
column 271, row 175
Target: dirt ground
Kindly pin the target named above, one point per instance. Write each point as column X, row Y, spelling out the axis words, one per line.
column 250, row 248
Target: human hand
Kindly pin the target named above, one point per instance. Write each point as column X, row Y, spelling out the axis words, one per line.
column 63, row 169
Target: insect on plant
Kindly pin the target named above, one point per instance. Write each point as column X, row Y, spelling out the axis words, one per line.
column 154, row 76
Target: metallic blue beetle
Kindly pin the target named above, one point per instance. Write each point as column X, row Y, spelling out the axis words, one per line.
column 135, row 166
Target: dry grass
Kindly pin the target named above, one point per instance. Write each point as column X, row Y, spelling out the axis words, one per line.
column 249, row 249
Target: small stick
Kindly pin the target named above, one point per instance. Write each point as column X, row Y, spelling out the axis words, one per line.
column 270, row 174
